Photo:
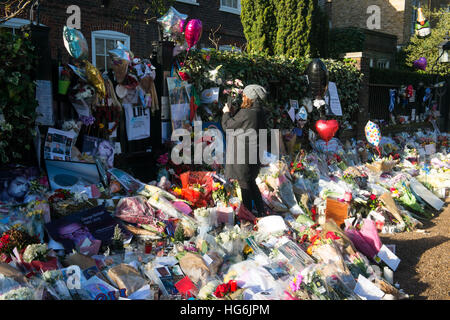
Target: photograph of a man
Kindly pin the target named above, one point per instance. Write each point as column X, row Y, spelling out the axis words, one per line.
column 57, row 149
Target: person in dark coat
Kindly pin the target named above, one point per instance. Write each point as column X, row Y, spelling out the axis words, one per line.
column 245, row 171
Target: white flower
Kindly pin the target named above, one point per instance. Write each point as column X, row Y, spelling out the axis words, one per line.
column 22, row 293
column 81, row 197
column 208, row 289
column 35, row 251
column 224, row 237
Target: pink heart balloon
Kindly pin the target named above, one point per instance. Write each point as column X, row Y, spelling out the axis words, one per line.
column 193, row 32
column 420, row 63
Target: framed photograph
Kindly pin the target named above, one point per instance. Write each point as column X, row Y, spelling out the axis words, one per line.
column 85, row 230
column 15, row 183
column 75, row 176
column 99, row 148
column 294, row 104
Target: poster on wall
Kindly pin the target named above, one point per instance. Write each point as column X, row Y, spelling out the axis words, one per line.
column 44, row 98
column 58, row 144
column 179, row 102
column 137, row 121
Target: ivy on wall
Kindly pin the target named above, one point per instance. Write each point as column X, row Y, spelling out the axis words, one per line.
column 17, row 96
column 343, row 40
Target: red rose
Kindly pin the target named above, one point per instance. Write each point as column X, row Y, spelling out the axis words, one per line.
column 373, row 197
column 331, row 235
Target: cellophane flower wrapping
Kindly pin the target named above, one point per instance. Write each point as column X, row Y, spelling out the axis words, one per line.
column 360, row 242
column 12, row 290
column 135, row 210
column 231, row 240
column 334, row 264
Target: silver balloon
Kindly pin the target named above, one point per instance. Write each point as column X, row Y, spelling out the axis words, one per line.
column 172, row 23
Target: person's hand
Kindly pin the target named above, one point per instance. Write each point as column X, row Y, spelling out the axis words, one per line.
column 226, row 108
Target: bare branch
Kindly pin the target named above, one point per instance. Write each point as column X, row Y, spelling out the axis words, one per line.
column 215, row 40
column 13, row 8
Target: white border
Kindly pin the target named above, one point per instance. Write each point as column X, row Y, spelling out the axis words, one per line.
column 231, row 9
column 107, row 34
column 193, row 2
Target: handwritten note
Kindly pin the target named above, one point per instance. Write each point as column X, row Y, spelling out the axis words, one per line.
column 45, row 103
column 334, row 102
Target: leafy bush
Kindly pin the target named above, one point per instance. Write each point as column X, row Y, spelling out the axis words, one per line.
column 343, row 40
column 283, row 77
column 17, row 96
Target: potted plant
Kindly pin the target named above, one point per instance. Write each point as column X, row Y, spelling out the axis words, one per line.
column 117, row 241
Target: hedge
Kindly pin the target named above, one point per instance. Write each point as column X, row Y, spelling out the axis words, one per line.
column 283, row 77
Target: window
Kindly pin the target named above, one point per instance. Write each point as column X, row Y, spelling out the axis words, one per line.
column 14, row 24
column 102, row 42
column 383, row 64
column 194, row 2
column 232, row 6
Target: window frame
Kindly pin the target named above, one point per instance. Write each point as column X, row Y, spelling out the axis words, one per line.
column 231, row 9
column 16, row 23
column 386, row 64
column 107, row 35
column 193, row 2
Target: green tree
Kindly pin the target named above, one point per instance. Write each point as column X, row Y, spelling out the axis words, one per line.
column 284, row 27
column 428, row 47
column 259, row 22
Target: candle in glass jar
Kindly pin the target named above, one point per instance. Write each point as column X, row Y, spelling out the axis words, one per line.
column 148, row 247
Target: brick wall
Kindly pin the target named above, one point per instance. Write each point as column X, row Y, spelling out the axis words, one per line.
column 113, row 17
column 231, row 31
column 395, row 15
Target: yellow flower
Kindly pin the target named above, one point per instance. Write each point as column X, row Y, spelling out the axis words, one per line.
column 247, row 249
column 101, row 125
column 177, row 190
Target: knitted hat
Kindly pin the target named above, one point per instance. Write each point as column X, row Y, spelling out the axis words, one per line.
column 255, row 91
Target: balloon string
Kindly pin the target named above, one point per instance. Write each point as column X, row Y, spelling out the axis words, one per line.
column 379, row 152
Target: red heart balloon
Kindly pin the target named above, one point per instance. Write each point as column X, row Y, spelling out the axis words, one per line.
column 327, row 129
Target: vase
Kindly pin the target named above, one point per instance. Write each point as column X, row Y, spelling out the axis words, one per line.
column 63, row 86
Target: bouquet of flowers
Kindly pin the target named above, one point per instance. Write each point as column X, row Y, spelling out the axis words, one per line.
column 208, row 290
column 55, row 284
column 365, row 238
column 63, row 202
column 204, row 217
column 408, row 200
column 21, row 293
column 36, row 257
column 15, row 237
column 231, row 240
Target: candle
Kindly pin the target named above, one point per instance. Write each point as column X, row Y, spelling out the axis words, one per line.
column 148, row 247
column 233, row 285
column 388, row 275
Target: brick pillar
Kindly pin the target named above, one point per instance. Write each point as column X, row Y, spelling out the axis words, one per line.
column 363, row 65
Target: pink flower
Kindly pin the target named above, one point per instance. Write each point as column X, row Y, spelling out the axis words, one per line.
column 238, row 83
column 230, row 82
column 43, row 181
